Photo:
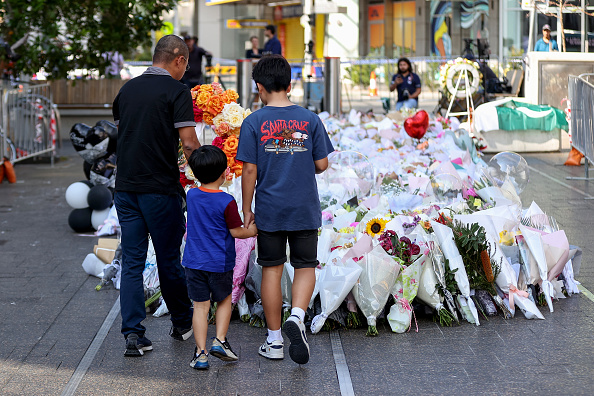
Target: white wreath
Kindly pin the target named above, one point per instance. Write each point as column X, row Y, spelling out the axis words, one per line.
column 474, row 82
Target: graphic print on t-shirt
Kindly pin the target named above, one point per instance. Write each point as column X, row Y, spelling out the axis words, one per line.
column 284, row 136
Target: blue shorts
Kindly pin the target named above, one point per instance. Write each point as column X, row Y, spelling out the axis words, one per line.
column 208, row 286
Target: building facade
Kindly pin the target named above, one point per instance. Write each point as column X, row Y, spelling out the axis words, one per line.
column 384, row 28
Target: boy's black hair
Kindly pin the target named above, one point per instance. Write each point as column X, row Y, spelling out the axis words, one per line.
column 271, row 28
column 273, row 72
column 208, row 163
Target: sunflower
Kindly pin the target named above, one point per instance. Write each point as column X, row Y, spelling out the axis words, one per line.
column 375, row 226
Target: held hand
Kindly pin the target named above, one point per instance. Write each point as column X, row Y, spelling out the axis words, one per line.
column 398, row 80
column 252, row 227
column 248, row 218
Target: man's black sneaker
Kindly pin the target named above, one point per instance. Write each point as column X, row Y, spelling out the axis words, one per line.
column 137, row 346
column 180, row 334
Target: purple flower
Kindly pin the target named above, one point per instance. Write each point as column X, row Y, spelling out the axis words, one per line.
column 414, row 249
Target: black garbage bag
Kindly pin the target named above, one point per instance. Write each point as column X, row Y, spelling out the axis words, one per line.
column 90, row 142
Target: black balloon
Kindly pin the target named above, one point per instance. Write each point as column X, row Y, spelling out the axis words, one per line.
column 105, row 166
column 99, row 198
column 90, row 143
column 80, row 220
column 112, row 131
column 87, row 169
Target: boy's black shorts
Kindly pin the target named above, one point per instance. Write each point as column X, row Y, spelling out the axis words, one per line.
column 272, row 248
column 208, row 286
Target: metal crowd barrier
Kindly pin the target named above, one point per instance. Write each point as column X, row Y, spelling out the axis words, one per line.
column 581, row 96
column 30, row 121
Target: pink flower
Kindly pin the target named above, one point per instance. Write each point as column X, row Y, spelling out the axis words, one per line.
column 468, row 192
column 354, row 224
column 218, row 141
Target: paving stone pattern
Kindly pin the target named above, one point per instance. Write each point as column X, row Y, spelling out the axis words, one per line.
column 51, row 313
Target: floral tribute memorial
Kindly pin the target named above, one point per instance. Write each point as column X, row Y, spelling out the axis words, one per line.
column 415, row 223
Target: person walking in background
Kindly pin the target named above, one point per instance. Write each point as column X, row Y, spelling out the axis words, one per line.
column 116, row 64
column 153, row 112
column 209, row 256
column 193, row 75
column 283, row 146
column 255, row 52
column 407, row 84
column 546, row 43
column 273, row 45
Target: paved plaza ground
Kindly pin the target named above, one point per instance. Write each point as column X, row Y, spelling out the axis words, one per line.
column 50, row 315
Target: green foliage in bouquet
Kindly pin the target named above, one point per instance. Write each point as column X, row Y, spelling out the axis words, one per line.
column 471, row 241
column 256, row 321
column 285, row 315
column 245, row 318
column 371, row 331
column 353, row 320
column 360, row 213
column 450, row 281
column 212, row 313
column 444, row 317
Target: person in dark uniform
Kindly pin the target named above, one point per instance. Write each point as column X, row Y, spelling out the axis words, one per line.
column 194, row 76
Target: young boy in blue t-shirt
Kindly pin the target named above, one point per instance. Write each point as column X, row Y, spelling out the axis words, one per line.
column 209, row 256
column 282, row 147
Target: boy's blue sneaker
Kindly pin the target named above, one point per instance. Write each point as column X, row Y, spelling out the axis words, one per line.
column 299, row 348
column 199, row 361
column 136, row 346
column 223, row 351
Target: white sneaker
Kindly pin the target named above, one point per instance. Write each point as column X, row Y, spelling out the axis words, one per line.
column 272, row 350
column 299, row 348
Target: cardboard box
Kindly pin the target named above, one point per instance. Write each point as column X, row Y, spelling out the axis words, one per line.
column 105, row 249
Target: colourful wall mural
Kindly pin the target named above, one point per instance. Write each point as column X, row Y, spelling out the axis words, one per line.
column 472, row 17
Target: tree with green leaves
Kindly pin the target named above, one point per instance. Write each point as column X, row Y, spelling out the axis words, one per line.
column 63, row 35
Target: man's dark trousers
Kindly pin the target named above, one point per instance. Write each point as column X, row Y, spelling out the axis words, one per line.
column 161, row 216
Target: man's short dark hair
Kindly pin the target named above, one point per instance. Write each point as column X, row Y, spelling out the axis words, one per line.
column 273, row 72
column 208, row 163
column 169, row 48
column 407, row 62
column 272, row 28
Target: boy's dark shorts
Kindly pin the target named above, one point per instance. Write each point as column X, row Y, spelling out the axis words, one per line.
column 208, row 286
column 303, row 245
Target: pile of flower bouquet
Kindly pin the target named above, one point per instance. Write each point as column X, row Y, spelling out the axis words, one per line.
column 434, row 229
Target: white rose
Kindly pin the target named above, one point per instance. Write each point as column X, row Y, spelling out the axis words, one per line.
column 216, row 121
column 233, row 114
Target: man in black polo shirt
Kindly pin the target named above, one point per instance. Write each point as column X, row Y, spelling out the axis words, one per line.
column 193, row 75
column 153, row 111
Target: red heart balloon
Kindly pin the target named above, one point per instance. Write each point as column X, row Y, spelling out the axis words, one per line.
column 417, row 125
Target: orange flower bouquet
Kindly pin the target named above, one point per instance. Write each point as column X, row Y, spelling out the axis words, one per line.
column 218, row 108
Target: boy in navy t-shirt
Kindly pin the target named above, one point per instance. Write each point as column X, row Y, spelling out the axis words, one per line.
column 282, row 147
column 209, row 256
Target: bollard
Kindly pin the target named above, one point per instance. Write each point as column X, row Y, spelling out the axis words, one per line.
column 332, row 85
column 244, row 82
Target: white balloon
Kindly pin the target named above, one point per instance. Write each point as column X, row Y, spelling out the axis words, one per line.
column 98, row 217
column 76, row 195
